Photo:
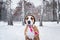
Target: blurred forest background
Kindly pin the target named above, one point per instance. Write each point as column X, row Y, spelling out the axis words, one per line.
column 49, row 10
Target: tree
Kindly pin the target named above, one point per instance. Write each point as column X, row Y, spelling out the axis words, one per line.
column 57, row 12
column 9, row 13
column 23, row 11
column 41, row 17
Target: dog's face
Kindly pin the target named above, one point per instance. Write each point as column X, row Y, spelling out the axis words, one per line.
column 30, row 20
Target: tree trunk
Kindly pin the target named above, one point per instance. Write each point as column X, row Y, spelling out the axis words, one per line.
column 10, row 21
column 41, row 21
column 57, row 13
column 23, row 11
column 41, row 17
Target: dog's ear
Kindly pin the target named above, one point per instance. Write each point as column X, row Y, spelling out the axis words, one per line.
column 25, row 19
column 34, row 19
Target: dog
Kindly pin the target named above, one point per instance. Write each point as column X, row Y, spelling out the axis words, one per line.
column 31, row 32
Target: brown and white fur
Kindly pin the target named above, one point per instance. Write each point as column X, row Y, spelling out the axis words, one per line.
column 34, row 35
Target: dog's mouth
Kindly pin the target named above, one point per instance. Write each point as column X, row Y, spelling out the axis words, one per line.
column 30, row 25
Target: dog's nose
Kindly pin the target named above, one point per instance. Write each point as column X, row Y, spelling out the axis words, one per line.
column 28, row 22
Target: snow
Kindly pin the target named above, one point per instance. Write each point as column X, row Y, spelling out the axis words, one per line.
column 49, row 31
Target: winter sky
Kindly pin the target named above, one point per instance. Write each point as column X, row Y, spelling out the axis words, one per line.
column 35, row 2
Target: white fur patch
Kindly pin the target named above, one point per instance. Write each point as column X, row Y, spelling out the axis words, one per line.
column 30, row 34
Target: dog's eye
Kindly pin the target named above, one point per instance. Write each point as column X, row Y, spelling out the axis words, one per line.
column 32, row 18
column 26, row 18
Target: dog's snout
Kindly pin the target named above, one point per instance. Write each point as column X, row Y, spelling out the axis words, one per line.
column 29, row 22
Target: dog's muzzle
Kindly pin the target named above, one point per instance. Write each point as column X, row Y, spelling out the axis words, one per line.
column 29, row 22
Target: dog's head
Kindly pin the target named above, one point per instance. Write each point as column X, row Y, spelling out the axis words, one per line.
column 29, row 20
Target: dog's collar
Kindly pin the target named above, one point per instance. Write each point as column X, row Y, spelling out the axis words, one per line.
column 30, row 27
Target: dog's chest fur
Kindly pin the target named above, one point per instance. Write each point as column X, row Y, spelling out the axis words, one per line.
column 29, row 33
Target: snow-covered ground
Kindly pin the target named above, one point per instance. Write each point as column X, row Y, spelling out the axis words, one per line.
column 49, row 31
